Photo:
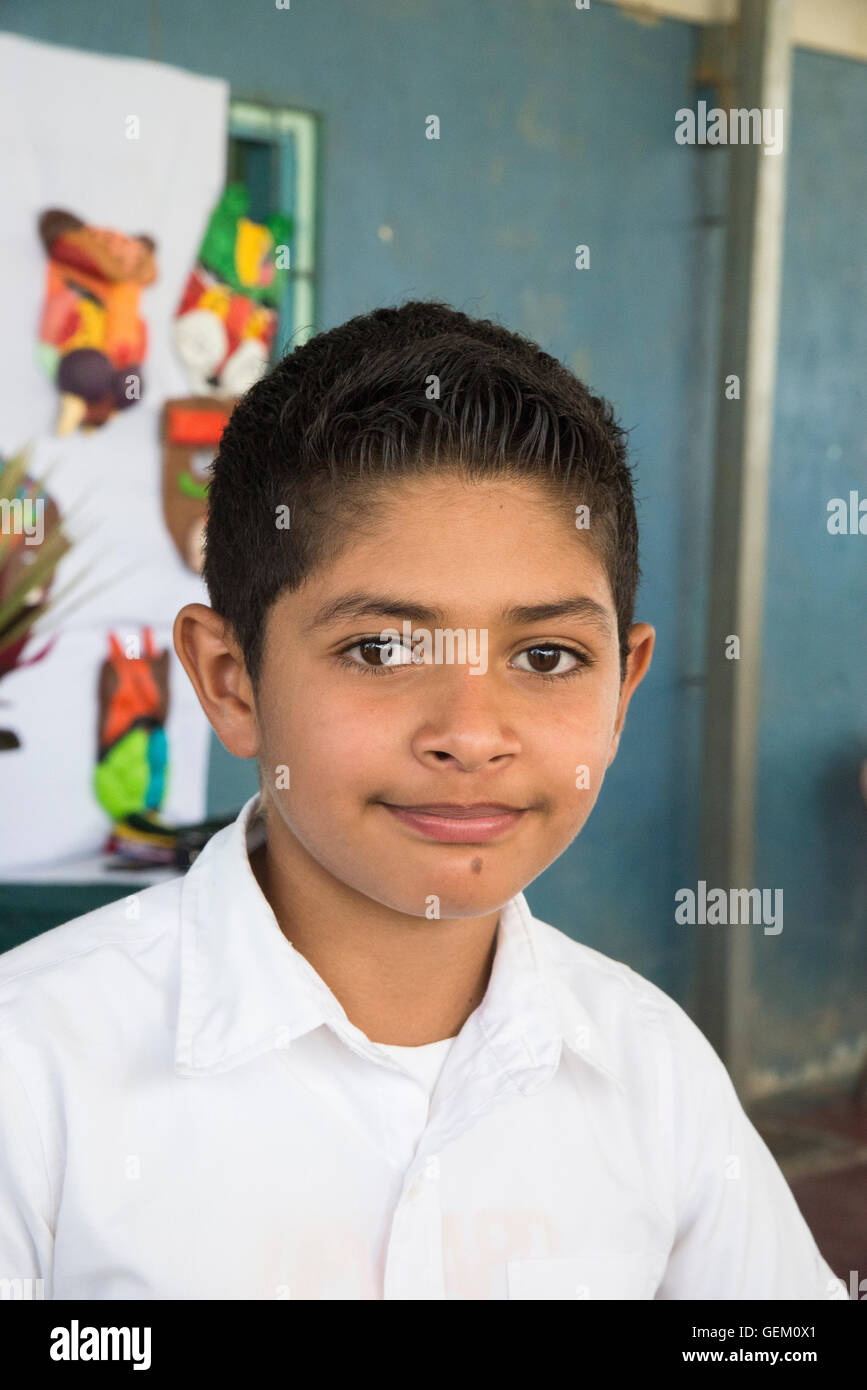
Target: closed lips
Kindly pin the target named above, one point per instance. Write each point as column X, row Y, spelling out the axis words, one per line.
column 462, row 812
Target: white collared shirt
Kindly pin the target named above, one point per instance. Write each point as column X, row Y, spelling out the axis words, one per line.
column 186, row 1112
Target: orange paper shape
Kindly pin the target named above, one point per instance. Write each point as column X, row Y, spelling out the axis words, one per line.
column 92, row 339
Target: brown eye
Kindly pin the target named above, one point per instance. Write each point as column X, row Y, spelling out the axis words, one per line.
column 546, row 660
column 377, row 652
column 372, row 653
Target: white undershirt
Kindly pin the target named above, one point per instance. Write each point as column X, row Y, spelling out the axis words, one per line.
column 425, row 1062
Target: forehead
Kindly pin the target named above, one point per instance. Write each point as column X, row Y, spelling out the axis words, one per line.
column 456, row 546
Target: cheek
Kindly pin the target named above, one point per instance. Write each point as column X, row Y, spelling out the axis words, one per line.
column 331, row 738
column 574, row 746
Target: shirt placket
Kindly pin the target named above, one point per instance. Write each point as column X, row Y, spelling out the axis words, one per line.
column 415, row 1260
column 414, row 1265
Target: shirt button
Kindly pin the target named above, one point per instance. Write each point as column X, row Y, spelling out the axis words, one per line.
column 430, row 1173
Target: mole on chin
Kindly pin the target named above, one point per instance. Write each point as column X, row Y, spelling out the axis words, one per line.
column 476, row 866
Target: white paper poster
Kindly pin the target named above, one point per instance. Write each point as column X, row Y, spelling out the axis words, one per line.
column 139, row 147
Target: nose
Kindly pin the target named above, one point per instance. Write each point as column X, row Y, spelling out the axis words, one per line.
column 468, row 726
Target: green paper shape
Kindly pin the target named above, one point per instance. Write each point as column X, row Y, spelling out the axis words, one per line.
column 122, row 779
column 47, row 358
column 217, row 251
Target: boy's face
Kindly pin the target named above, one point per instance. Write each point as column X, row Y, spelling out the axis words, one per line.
column 364, row 743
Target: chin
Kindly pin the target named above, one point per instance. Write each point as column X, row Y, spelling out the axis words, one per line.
column 466, row 901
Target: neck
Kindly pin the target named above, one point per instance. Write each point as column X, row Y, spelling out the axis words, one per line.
column 401, row 979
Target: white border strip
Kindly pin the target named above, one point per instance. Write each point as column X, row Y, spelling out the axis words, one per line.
column 830, row 26
column 302, row 125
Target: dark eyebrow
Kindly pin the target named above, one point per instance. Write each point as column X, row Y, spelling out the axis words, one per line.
column 362, row 605
column 578, row 606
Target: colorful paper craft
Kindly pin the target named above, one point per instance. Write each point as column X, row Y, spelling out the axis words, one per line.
column 191, row 430
column 32, row 543
column 227, row 318
column 131, row 774
column 92, row 339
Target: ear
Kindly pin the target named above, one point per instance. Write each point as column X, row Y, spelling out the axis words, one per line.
column 212, row 659
column 641, row 641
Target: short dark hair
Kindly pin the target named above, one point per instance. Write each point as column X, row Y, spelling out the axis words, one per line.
column 356, row 407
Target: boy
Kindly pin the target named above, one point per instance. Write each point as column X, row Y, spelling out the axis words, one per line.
column 339, row 1059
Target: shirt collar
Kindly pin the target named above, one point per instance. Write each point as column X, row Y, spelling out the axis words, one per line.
column 245, row 990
